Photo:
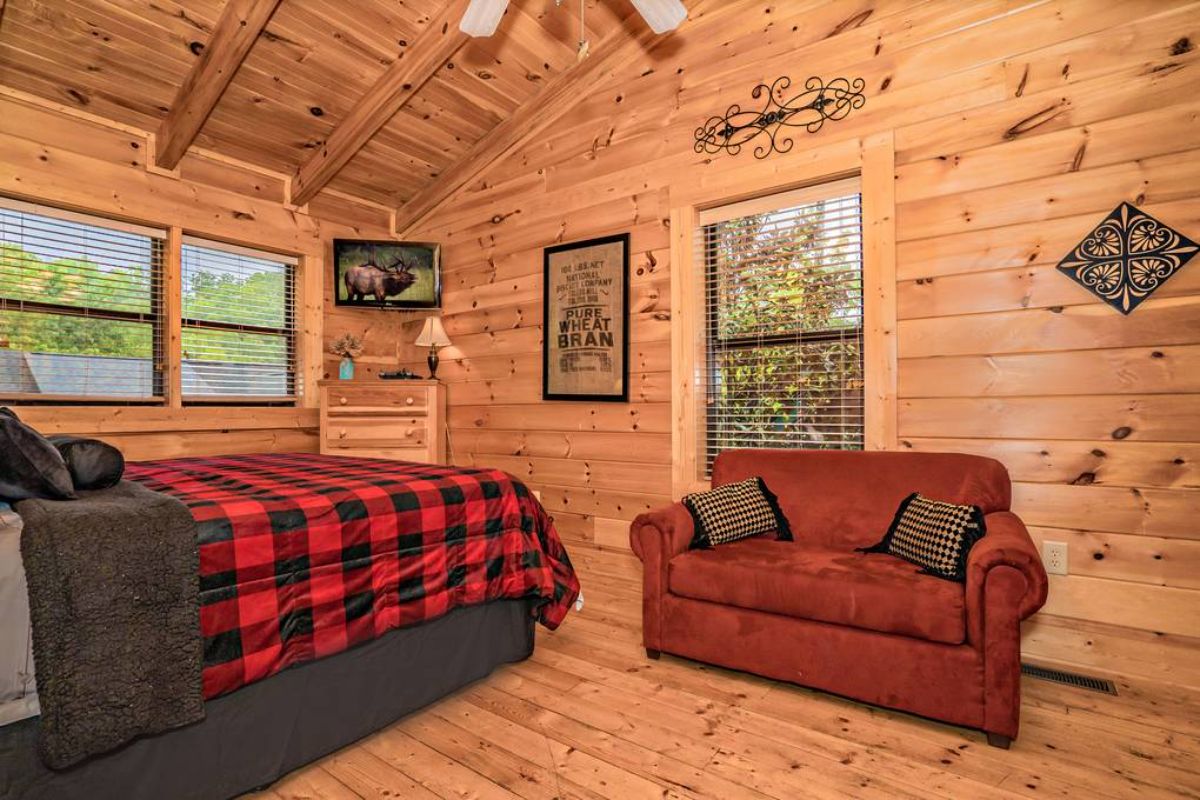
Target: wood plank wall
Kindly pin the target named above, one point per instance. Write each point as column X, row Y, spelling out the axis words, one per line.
column 1017, row 125
column 63, row 157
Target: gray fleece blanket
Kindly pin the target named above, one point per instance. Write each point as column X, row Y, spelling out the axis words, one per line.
column 114, row 603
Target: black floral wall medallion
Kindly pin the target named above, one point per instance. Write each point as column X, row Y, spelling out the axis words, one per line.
column 1127, row 256
column 781, row 110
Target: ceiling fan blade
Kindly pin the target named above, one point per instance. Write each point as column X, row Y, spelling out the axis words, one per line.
column 661, row 15
column 482, row 17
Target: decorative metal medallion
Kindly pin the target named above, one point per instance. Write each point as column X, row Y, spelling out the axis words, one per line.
column 1127, row 256
column 780, row 111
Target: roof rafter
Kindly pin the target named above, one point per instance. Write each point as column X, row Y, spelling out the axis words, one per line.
column 237, row 29
column 431, row 49
column 559, row 96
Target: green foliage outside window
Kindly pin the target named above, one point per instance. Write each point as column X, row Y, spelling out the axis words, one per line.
column 785, row 319
column 81, row 284
column 257, row 299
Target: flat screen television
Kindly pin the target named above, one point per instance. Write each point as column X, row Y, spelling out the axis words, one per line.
column 386, row 274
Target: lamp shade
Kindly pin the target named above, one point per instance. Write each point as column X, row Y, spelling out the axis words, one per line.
column 482, row 17
column 661, row 15
column 433, row 334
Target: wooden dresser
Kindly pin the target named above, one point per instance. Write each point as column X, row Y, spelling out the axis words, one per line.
column 404, row 420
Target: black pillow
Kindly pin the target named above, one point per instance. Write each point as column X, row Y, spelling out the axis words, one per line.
column 29, row 465
column 93, row 464
column 735, row 511
column 934, row 535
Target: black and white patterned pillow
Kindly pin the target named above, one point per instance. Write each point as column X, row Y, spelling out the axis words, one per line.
column 735, row 511
column 934, row 535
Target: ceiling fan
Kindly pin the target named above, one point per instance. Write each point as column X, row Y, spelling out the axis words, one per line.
column 483, row 16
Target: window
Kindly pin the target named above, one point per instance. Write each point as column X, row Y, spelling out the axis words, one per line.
column 84, row 313
column 80, row 299
column 784, row 321
column 238, row 328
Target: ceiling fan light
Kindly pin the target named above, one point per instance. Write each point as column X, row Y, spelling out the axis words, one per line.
column 482, row 17
column 661, row 15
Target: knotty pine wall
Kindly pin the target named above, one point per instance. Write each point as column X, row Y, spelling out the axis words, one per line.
column 1017, row 126
column 63, row 157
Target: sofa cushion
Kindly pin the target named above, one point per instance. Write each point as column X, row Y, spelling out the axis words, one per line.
column 735, row 511
column 873, row 591
column 843, row 499
column 934, row 535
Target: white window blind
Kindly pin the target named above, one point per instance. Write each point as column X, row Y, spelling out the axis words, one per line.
column 238, row 328
column 80, row 300
column 783, row 322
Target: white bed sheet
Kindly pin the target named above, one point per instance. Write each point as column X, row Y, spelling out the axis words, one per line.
column 18, row 690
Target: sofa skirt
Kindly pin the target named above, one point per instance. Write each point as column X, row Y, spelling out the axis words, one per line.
column 941, row 681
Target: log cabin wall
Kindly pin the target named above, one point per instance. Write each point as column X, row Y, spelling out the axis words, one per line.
column 63, row 157
column 1017, row 126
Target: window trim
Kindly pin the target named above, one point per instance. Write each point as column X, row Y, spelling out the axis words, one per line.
column 871, row 161
column 167, row 318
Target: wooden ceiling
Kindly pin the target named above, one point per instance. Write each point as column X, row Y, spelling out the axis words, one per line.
column 315, row 65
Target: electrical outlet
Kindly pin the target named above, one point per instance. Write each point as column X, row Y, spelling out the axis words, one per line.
column 1054, row 556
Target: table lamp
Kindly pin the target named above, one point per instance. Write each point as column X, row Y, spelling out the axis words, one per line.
column 433, row 336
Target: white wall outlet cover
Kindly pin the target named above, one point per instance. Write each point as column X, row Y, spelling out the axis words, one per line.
column 1054, row 557
column 537, row 495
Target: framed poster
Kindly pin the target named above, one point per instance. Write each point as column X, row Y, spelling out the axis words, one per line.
column 585, row 308
column 386, row 274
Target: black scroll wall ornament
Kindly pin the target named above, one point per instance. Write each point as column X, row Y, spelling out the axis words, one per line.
column 1127, row 256
column 781, row 112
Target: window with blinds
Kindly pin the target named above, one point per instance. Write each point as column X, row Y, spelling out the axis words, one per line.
column 80, row 300
column 783, row 323
column 238, row 326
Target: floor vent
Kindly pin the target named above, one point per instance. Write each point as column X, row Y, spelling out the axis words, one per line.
column 1069, row 678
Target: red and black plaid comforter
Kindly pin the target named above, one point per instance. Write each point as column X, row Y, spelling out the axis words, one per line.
column 303, row 556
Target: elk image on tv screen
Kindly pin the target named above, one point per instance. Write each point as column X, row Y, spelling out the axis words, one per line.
column 384, row 274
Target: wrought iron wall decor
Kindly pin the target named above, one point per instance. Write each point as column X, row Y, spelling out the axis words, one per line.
column 780, row 112
column 1127, row 257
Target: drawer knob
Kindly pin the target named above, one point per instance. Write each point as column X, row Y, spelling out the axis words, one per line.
column 408, row 401
column 342, row 433
column 343, row 400
column 409, row 432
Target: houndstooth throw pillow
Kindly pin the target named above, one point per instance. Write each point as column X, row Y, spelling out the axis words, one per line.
column 735, row 511
column 934, row 535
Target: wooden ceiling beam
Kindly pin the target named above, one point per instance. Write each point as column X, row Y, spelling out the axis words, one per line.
column 428, row 51
column 559, row 96
column 236, row 31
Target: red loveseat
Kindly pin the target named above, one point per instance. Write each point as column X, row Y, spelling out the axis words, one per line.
column 868, row 626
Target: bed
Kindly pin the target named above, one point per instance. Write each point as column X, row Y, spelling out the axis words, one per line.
column 336, row 595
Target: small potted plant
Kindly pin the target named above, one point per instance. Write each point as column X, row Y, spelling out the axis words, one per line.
column 349, row 347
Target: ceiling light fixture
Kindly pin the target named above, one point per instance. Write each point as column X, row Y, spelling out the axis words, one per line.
column 661, row 15
column 483, row 16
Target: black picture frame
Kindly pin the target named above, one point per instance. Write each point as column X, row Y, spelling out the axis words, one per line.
column 427, row 255
column 549, row 322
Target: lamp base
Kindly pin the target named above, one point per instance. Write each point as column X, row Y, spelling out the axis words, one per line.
column 433, row 363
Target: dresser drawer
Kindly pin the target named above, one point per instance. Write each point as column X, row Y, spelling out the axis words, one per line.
column 372, row 398
column 375, row 432
column 400, row 420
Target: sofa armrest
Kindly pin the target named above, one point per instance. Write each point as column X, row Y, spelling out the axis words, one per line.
column 656, row 538
column 669, row 530
column 1007, row 544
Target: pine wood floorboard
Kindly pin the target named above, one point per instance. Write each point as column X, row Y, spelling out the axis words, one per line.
column 589, row 717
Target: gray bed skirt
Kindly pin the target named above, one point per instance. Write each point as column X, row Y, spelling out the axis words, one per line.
column 257, row 734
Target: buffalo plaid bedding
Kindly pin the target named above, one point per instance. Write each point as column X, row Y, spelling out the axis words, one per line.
column 303, row 556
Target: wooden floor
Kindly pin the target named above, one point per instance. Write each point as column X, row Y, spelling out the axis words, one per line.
column 588, row 716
